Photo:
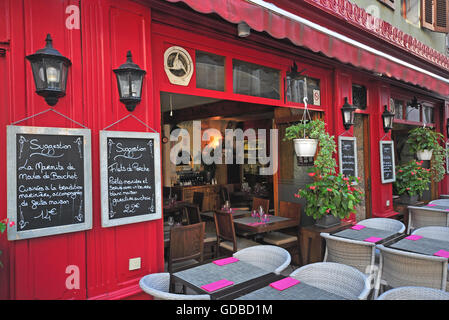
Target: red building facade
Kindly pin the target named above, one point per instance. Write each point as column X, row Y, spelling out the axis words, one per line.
column 36, row 268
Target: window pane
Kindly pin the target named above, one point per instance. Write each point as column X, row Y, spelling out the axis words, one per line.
column 398, row 106
column 296, row 88
column 427, row 115
column 359, row 96
column 255, row 80
column 413, row 114
column 210, row 71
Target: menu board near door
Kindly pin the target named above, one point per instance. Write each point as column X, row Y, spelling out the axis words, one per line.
column 387, row 165
column 347, row 152
column 49, row 181
column 130, row 177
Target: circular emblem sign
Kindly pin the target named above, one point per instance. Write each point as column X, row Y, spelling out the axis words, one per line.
column 178, row 65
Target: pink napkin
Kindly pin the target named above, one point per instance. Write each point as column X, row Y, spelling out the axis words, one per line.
column 413, row 237
column 358, row 227
column 431, row 205
column 255, row 223
column 222, row 262
column 284, row 283
column 373, row 239
column 217, row 285
column 442, row 253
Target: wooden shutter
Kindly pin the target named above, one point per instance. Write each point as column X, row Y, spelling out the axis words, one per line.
column 389, row 3
column 427, row 14
column 441, row 16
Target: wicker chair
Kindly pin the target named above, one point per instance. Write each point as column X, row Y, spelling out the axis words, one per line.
column 426, row 216
column 399, row 268
column 271, row 258
column 414, row 293
column 440, row 202
column 157, row 285
column 384, row 224
column 358, row 254
column 340, row 279
column 437, row 233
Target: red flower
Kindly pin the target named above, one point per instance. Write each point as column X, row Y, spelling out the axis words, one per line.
column 11, row 224
column 312, row 187
column 408, row 188
column 328, row 210
column 329, row 189
column 400, row 170
column 312, row 174
column 413, row 173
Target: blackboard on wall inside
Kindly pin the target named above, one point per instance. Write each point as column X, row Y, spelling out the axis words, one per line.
column 130, row 177
column 387, row 165
column 49, row 181
column 347, row 152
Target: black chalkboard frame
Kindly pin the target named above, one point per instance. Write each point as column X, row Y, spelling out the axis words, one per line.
column 393, row 179
column 11, row 133
column 105, row 220
column 340, row 154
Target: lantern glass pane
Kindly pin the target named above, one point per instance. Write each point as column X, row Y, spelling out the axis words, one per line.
column 64, row 72
column 123, row 80
column 53, row 70
column 39, row 75
column 136, row 85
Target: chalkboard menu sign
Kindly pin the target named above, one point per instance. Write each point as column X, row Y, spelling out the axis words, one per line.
column 49, row 181
column 347, row 151
column 130, row 177
column 387, row 166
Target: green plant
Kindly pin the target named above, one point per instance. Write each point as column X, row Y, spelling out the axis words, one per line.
column 422, row 138
column 331, row 194
column 411, row 178
column 3, row 224
column 305, row 130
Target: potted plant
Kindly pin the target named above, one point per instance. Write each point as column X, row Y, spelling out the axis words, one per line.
column 411, row 180
column 423, row 141
column 305, row 136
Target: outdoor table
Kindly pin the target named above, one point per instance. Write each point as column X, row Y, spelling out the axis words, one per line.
column 244, row 275
column 442, row 204
column 366, row 233
column 426, row 246
column 300, row 291
column 252, row 225
column 235, row 214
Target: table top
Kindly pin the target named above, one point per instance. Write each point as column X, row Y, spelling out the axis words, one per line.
column 250, row 224
column 300, row 291
column 441, row 202
column 424, row 245
column 174, row 208
column 241, row 273
column 235, row 213
column 365, row 233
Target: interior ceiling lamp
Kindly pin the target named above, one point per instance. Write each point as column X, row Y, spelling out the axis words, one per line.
column 50, row 70
column 243, row 30
column 387, row 119
column 347, row 111
column 414, row 103
column 129, row 80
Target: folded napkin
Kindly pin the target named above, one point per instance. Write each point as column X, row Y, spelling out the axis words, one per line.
column 413, row 237
column 373, row 239
column 431, row 205
column 358, row 227
column 442, row 253
column 217, row 285
column 255, row 223
column 222, row 262
column 284, row 283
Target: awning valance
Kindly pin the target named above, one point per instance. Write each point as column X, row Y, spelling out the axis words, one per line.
column 262, row 16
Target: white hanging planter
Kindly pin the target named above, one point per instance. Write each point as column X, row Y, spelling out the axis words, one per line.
column 424, row 154
column 305, row 147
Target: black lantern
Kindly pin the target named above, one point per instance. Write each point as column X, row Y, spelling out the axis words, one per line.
column 387, row 119
column 50, row 70
column 129, row 81
column 347, row 112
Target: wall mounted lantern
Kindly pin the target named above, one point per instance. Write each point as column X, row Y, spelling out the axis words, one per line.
column 387, row 119
column 243, row 30
column 129, row 80
column 50, row 70
column 347, row 111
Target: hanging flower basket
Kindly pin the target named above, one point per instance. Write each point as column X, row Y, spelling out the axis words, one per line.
column 305, row 147
column 424, row 154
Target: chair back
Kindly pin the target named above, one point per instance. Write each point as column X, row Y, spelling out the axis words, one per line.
column 340, row 279
column 198, row 199
column 424, row 217
column 271, row 258
column 192, row 213
column 414, row 293
column 386, row 224
column 265, row 203
column 437, row 233
column 224, row 225
column 224, row 195
column 290, row 210
column 399, row 268
column 186, row 243
column 358, row 254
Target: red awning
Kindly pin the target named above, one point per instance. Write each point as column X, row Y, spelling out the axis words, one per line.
column 280, row 27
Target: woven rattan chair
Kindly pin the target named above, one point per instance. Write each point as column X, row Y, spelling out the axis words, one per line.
column 384, row 224
column 271, row 258
column 426, row 216
column 340, row 279
column 358, row 254
column 399, row 268
column 414, row 293
column 157, row 285
column 437, row 233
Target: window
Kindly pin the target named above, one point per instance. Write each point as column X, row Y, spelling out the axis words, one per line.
column 359, row 99
column 255, row 80
column 296, row 90
column 410, row 11
column 210, row 73
column 388, row 3
column 427, row 114
column 397, row 106
column 434, row 15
